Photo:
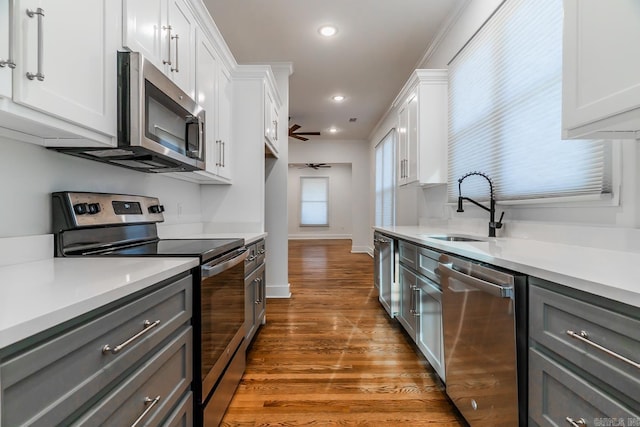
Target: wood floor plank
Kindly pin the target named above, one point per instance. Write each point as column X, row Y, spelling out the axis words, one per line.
column 330, row 356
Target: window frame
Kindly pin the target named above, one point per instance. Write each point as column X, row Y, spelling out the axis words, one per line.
column 327, row 201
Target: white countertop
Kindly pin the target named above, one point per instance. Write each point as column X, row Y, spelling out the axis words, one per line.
column 608, row 273
column 35, row 296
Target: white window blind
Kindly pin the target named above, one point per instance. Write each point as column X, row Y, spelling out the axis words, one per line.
column 314, row 201
column 505, row 112
column 385, row 181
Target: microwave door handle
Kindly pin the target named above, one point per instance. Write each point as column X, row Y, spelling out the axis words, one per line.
column 194, row 154
column 214, row 267
column 200, row 139
column 481, row 285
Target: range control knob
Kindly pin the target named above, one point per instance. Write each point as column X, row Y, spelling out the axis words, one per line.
column 94, row 208
column 81, row 208
column 154, row 209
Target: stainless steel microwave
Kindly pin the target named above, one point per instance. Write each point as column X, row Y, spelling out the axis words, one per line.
column 160, row 128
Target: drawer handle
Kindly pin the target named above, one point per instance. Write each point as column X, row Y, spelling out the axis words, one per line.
column 584, row 337
column 576, row 423
column 149, row 403
column 147, row 327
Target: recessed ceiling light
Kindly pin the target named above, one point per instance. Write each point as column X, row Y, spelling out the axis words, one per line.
column 338, row 98
column 328, row 30
column 333, row 130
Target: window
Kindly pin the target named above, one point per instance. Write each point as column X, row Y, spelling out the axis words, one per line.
column 314, row 201
column 385, row 181
column 505, row 100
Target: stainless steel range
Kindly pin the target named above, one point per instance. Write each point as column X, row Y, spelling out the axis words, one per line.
column 116, row 225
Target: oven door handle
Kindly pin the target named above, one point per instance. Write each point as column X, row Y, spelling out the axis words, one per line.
column 482, row 285
column 213, row 268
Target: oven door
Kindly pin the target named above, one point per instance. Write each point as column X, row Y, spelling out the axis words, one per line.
column 221, row 316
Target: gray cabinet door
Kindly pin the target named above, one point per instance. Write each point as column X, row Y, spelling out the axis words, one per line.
column 407, row 310
column 45, row 384
column 408, row 253
column 430, row 337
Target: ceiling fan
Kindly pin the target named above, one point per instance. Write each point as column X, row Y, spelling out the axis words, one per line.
column 297, row 135
column 316, row 166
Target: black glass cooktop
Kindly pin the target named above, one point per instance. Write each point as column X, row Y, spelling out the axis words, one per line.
column 206, row 249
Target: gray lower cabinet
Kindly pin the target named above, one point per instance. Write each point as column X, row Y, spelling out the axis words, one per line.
column 420, row 308
column 62, row 375
column 584, row 358
column 255, row 306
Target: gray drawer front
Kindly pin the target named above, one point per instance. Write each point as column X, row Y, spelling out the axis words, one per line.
column 556, row 393
column 553, row 314
column 46, row 384
column 182, row 416
column 251, row 262
column 167, row 374
column 428, row 263
column 261, row 252
column 408, row 254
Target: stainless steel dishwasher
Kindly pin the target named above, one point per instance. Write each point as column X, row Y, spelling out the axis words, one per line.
column 485, row 341
column 385, row 272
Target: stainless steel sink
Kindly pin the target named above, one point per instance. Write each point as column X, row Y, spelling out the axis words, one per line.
column 456, row 238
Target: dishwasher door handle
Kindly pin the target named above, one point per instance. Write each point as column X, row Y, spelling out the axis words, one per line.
column 482, row 285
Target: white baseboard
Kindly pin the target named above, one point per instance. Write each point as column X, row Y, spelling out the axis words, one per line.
column 361, row 250
column 319, row 236
column 278, row 291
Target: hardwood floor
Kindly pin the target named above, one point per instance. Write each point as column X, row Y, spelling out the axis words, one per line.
column 330, row 356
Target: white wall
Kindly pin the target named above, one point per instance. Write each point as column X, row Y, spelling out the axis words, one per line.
column 340, row 196
column 275, row 220
column 30, row 173
column 356, row 153
column 431, row 204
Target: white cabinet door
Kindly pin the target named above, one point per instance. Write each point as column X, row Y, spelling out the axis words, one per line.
column 213, row 83
column 224, row 137
column 601, row 69
column 270, row 121
column 5, row 57
column 76, row 59
column 145, row 29
column 403, row 125
column 411, row 172
column 164, row 32
column 182, row 46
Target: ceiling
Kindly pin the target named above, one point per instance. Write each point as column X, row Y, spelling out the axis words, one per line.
column 378, row 44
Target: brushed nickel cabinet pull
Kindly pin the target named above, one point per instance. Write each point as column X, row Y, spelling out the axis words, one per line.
column 9, row 62
column 39, row 75
column 149, row 403
column 168, row 28
column 584, row 337
column 275, row 129
column 580, row 422
column 176, row 38
column 416, row 300
column 117, row 349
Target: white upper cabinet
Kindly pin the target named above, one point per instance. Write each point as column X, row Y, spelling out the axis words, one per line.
column 65, row 68
column 422, row 129
column 164, row 32
column 213, row 83
column 271, row 119
column 6, row 60
column 601, row 69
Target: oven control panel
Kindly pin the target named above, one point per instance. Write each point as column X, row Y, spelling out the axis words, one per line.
column 78, row 209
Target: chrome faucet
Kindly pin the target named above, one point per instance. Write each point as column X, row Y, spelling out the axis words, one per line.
column 493, row 225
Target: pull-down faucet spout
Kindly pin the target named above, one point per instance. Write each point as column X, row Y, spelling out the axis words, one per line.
column 493, row 225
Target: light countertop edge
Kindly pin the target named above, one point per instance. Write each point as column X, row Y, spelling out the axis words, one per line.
column 36, row 296
column 606, row 273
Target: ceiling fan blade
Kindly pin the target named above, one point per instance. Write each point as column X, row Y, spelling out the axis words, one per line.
column 294, row 128
column 301, row 138
column 307, row 133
